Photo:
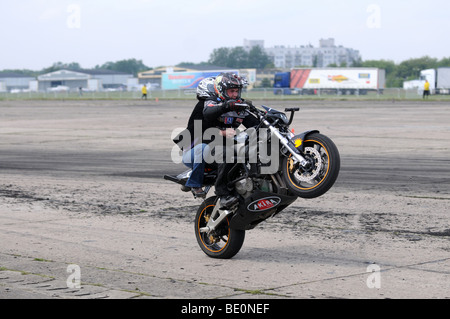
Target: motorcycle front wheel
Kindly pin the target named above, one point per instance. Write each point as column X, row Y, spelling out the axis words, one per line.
column 320, row 174
column 223, row 242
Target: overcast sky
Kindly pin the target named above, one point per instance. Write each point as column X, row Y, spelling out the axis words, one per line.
column 37, row 33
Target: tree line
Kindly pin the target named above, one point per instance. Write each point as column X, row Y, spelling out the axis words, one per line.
column 407, row 70
column 130, row 66
column 239, row 58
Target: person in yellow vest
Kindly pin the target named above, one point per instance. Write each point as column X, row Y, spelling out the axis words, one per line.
column 144, row 92
column 426, row 89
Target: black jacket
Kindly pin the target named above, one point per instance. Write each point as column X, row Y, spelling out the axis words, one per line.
column 215, row 111
column 209, row 113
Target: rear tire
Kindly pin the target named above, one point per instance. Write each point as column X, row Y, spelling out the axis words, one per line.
column 224, row 242
column 319, row 177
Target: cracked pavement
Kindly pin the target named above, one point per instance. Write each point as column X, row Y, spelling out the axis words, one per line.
column 81, row 184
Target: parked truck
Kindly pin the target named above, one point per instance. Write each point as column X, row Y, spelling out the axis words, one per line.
column 439, row 80
column 329, row 81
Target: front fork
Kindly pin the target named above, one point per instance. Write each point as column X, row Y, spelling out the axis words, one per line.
column 288, row 145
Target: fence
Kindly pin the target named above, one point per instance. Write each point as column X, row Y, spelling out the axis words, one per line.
column 254, row 94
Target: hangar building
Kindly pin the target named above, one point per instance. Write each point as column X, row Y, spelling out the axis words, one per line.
column 94, row 80
column 13, row 81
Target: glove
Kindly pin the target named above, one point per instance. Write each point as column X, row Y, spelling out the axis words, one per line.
column 233, row 105
column 250, row 103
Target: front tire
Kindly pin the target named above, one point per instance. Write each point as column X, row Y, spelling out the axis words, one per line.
column 224, row 242
column 316, row 179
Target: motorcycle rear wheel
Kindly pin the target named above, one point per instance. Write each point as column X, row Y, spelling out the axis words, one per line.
column 224, row 242
column 316, row 179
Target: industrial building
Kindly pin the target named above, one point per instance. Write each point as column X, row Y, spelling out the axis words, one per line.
column 62, row 78
column 10, row 81
column 92, row 80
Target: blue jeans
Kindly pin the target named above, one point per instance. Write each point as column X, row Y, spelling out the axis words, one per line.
column 194, row 159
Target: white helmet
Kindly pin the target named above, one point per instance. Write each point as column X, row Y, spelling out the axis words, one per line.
column 205, row 88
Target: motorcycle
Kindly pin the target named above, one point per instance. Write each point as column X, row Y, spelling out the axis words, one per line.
column 307, row 166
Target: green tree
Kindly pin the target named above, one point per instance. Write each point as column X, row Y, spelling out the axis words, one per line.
column 131, row 66
column 220, row 57
column 60, row 65
column 387, row 65
column 444, row 62
column 24, row 72
column 410, row 69
column 239, row 58
column 266, row 83
column 390, row 68
column 192, row 65
column 258, row 58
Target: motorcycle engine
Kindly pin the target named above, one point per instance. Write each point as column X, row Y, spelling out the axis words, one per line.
column 246, row 186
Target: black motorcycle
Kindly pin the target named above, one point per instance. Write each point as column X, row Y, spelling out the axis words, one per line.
column 307, row 165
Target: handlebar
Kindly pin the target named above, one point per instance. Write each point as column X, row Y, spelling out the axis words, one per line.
column 252, row 108
column 292, row 110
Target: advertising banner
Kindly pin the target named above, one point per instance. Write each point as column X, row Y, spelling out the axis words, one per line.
column 187, row 80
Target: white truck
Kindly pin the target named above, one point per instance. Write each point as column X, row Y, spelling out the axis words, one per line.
column 439, row 80
column 330, row 81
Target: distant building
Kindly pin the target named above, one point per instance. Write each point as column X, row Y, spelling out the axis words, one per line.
column 249, row 44
column 93, row 80
column 10, row 81
column 108, row 78
column 306, row 55
column 69, row 79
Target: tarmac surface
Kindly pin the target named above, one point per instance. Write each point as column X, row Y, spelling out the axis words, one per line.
column 86, row 214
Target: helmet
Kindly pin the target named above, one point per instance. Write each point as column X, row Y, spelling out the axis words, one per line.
column 226, row 81
column 205, row 88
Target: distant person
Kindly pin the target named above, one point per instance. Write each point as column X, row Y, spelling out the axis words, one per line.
column 80, row 91
column 426, row 89
column 144, row 92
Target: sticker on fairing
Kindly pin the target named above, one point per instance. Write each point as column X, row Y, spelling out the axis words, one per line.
column 228, row 120
column 263, row 204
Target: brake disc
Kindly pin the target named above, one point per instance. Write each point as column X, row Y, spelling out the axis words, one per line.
column 309, row 174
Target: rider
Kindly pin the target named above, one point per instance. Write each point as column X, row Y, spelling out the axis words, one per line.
column 218, row 107
column 224, row 110
column 194, row 148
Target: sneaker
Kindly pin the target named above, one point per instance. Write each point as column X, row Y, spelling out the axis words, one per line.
column 226, row 202
column 198, row 192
